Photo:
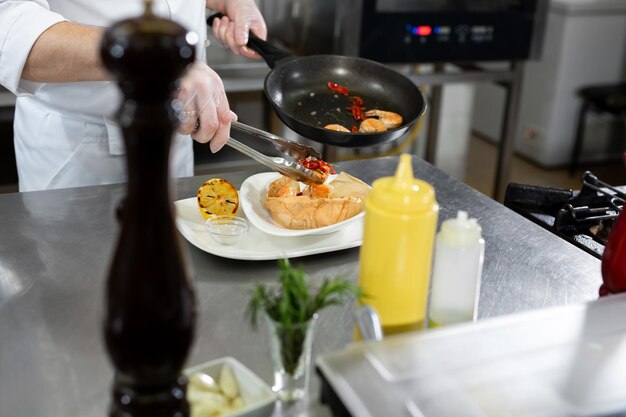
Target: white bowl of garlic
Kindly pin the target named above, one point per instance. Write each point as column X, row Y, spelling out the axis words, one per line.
column 225, row 387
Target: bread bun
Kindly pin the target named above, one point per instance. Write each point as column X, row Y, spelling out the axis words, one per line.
column 346, row 199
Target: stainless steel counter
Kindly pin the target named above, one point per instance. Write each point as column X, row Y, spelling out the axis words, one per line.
column 55, row 249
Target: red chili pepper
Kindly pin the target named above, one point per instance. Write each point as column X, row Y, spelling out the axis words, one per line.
column 354, row 129
column 357, row 108
column 337, row 88
column 325, row 166
column 357, row 101
column 357, row 112
column 316, row 164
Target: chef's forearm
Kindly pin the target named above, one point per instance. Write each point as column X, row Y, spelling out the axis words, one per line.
column 66, row 52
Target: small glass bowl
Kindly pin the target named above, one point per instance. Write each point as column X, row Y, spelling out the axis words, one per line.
column 227, row 230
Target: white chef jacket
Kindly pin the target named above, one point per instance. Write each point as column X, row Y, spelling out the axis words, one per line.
column 64, row 134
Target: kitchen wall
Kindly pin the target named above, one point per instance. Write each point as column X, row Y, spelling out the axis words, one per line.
column 304, row 26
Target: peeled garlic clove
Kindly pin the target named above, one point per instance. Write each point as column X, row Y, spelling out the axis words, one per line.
column 227, row 382
column 205, row 410
column 236, row 403
column 203, row 382
column 214, row 399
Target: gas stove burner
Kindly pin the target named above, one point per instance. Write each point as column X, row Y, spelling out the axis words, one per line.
column 591, row 182
column 583, row 217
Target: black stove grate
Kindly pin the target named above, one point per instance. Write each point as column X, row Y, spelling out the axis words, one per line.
column 584, row 217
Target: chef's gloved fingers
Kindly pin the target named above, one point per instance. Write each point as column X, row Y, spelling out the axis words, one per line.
column 222, row 134
column 213, row 125
column 186, row 113
column 205, row 113
column 242, row 17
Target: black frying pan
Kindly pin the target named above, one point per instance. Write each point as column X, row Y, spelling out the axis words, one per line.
column 297, row 89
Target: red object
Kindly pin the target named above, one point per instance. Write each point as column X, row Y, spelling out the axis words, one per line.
column 357, row 101
column 357, row 108
column 337, row 88
column 316, row 164
column 424, row 30
column 354, row 129
column 614, row 259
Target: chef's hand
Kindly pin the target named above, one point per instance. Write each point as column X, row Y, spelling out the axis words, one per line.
column 202, row 107
column 242, row 17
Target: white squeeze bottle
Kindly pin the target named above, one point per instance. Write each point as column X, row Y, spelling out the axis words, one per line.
column 457, row 267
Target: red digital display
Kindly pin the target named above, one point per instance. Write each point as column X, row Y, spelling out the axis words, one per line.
column 424, row 30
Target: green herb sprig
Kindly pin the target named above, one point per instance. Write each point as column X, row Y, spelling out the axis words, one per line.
column 293, row 302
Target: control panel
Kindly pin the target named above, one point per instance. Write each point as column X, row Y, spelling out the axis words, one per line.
column 460, row 34
column 448, row 35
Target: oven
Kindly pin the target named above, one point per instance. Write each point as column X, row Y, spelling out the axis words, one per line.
column 416, row 31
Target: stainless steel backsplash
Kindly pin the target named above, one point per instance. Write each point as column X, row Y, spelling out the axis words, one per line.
column 304, row 26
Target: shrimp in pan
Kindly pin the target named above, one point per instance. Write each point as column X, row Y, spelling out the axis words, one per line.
column 372, row 126
column 336, row 127
column 389, row 118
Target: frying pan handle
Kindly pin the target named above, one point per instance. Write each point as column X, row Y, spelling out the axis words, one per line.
column 270, row 53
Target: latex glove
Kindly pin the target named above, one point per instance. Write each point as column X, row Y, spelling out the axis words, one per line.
column 242, row 17
column 202, row 107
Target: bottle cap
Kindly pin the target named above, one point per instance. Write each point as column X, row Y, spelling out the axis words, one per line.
column 460, row 231
column 402, row 192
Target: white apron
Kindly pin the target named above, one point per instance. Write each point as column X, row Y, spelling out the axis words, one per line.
column 57, row 150
column 63, row 132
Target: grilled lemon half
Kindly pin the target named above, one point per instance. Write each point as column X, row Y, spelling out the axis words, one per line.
column 217, row 197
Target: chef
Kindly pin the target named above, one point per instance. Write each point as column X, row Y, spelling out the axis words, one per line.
column 64, row 134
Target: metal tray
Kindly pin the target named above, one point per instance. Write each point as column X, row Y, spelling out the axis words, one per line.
column 565, row 361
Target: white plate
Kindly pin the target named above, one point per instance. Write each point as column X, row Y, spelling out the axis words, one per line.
column 258, row 245
column 252, row 195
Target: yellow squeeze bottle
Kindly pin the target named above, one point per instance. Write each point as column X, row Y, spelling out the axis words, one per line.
column 395, row 259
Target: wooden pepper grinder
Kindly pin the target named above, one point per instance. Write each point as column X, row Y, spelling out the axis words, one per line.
column 150, row 307
column 614, row 259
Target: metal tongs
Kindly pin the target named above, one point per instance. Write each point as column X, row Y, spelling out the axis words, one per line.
column 292, row 152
